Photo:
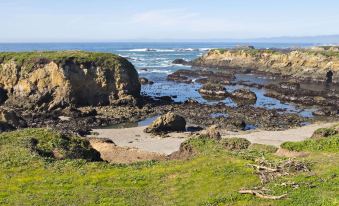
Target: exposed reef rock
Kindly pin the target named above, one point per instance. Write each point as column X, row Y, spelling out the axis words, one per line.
column 244, row 95
column 181, row 61
column 304, row 64
column 188, row 76
column 48, row 80
column 213, row 91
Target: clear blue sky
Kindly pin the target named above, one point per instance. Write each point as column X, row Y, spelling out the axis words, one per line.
column 108, row 20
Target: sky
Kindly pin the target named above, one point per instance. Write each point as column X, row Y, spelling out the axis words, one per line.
column 116, row 20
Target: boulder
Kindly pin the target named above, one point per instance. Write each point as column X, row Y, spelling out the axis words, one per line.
column 169, row 122
column 50, row 80
column 213, row 91
column 244, row 94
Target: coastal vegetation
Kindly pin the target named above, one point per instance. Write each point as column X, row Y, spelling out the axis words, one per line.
column 214, row 175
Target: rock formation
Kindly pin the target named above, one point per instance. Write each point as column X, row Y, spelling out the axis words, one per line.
column 304, row 64
column 48, row 80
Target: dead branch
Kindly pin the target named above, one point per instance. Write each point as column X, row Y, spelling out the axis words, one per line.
column 260, row 194
column 259, row 167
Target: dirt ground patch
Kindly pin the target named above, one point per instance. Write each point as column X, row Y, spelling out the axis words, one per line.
column 123, row 155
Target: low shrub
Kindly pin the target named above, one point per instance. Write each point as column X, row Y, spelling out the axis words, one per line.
column 324, row 132
column 235, row 143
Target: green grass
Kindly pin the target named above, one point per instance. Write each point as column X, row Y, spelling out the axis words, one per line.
column 327, row 144
column 212, row 177
column 28, row 60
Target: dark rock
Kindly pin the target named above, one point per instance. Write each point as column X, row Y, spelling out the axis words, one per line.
column 167, row 123
column 244, row 94
column 126, row 101
column 213, row 91
column 181, row 61
column 143, row 81
column 3, row 95
column 179, row 78
column 9, row 120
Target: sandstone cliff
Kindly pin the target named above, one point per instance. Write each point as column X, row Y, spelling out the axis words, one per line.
column 48, row 80
column 303, row 64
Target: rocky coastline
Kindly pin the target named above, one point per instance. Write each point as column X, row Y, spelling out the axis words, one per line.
column 303, row 64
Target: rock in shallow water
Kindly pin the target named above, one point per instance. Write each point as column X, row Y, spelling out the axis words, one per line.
column 213, row 91
column 167, row 123
column 244, row 94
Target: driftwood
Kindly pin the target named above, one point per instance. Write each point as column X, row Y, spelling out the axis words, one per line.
column 260, row 194
column 268, row 171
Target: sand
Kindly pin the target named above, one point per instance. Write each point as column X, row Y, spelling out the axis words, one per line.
column 137, row 139
column 276, row 138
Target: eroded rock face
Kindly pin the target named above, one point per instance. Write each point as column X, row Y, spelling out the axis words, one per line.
column 301, row 64
column 47, row 80
column 167, row 123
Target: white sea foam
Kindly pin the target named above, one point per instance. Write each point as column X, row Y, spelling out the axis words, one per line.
column 164, row 71
column 167, row 50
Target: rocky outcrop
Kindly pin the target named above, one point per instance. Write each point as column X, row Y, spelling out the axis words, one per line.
column 301, row 64
column 47, row 80
column 167, row 123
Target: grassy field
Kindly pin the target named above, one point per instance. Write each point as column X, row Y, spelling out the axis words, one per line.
column 212, row 177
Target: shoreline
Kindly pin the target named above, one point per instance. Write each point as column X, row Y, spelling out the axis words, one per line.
column 135, row 138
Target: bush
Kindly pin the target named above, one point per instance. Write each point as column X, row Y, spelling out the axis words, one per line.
column 324, row 132
column 235, row 143
column 330, row 144
column 263, row 148
column 46, row 143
